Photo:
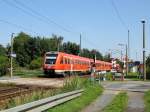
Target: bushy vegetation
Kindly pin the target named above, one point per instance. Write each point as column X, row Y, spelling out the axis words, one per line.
column 109, row 76
column 132, row 75
column 148, row 67
column 4, row 65
column 36, row 64
column 118, row 104
column 147, row 101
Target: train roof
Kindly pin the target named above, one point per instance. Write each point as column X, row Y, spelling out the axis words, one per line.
column 78, row 57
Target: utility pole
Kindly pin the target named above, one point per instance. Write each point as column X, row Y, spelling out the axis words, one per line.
column 144, row 64
column 80, row 46
column 11, row 60
column 127, row 67
column 128, row 44
column 121, row 55
column 128, row 52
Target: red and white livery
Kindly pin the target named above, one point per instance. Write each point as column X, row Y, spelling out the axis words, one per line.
column 63, row 63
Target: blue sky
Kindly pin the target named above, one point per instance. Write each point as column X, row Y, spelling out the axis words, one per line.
column 96, row 20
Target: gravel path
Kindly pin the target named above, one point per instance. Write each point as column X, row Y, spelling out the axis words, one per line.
column 52, row 82
column 135, row 102
column 101, row 101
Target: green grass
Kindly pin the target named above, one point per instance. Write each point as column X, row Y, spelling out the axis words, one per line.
column 147, row 101
column 7, row 84
column 28, row 73
column 118, row 104
column 91, row 92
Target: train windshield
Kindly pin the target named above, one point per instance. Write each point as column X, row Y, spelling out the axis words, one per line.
column 51, row 58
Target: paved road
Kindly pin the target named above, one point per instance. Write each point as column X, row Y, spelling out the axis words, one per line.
column 135, row 86
column 135, row 102
column 135, row 90
column 101, row 101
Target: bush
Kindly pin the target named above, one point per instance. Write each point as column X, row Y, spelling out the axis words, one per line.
column 147, row 101
column 109, row 76
column 35, row 64
column 148, row 72
column 4, row 64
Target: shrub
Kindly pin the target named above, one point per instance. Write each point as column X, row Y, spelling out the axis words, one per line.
column 148, row 72
column 4, row 64
column 35, row 64
column 109, row 76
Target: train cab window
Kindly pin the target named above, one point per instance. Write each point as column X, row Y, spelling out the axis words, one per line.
column 50, row 61
column 51, row 58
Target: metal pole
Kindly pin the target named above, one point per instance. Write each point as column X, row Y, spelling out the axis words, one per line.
column 128, row 44
column 80, row 46
column 121, row 55
column 126, row 60
column 11, row 61
column 144, row 64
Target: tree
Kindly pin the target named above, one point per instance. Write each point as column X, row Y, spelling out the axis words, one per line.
column 71, row 48
column 86, row 53
column 148, row 67
column 21, row 48
column 107, row 58
column 4, row 64
column 2, row 50
column 97, row 53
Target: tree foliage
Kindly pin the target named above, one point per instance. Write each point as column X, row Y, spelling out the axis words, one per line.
column 4, row 64
column 148, row 67
column 2, row 50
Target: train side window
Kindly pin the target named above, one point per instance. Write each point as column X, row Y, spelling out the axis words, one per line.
column 75, row 61
column 66, row 61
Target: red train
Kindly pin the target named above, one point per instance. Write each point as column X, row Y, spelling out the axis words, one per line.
column 63, row 63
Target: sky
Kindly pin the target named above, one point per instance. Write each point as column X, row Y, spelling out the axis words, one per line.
column 103, row 24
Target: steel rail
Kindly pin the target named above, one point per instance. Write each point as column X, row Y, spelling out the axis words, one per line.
column 46, row 103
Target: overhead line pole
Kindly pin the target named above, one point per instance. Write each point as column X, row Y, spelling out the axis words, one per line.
column 128, row 44
column 127, row 67
column 80, row 45
column 11, row 60
column 144, row 63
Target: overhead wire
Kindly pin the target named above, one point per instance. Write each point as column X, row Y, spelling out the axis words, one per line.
column 17, row 26
column 118, row 15
column 26, row 9
column 46, row 18
column 29, row 11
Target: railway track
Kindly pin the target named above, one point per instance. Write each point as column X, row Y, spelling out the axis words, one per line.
column 7, row 93
column 10, row 92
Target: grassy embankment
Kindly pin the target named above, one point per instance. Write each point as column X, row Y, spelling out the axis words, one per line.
column 91, row 92
column 147, row 101
column 118, row 104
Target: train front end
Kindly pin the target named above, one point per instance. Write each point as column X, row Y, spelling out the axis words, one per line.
column 50, row 60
